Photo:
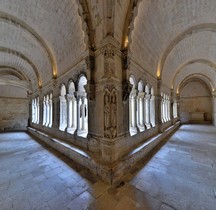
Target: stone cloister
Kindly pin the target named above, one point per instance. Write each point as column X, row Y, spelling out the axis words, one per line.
column 104, row 82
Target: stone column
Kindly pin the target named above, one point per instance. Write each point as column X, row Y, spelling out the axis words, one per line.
column 172, row 105
column 69, row 113
column 78, row 114
column 133, row 113
column 50, row 112
column 44, row 111
column 140, row 100
column 47, row 112
column 147, row 110
column 38, row 110
column 152, row 110
column 63, row 113
column 83, row 113
column 159, row 107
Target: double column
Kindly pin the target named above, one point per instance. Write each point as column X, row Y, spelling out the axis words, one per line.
column 71, row 113
column 140, row 113
column 81, row 115
column 133, row 113
column 147, row 110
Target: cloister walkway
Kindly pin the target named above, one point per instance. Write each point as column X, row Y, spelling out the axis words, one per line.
column 180, row 174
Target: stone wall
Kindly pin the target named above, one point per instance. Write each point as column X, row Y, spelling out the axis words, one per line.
column 195, row 101
column 14, row 109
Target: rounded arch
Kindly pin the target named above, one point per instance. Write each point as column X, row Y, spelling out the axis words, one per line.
column 9, row 19
column 9, row 70
column 26, row 59
column 194, row 29
column 129, row 23
column 140, row 86
column 87, row 24
column 133, row 82
column 201, row 77
column 187, row 63
column 63, row 90
column 147, row 88
column 71, row 87
column 82, row 81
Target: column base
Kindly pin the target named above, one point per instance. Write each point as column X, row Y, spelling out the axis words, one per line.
column 133, row 131
column 82, row 133
column 141, row 128
column 148, row 125
column 71, row 130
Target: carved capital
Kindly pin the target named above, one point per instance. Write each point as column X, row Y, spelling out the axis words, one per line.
column 108, row 51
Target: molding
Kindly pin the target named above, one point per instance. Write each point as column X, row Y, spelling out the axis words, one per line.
column 26, row 59
column 190, row 31
column 13, row 20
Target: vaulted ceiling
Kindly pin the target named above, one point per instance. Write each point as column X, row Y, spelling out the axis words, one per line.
column 177, row 38
column 40, row 38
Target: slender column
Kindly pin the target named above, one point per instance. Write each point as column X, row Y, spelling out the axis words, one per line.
column 38, row 111
column 140, row 111
column 32, row 116
column 69, row 112
column 169, row 110
column 44, row 112
column 162, row 110
column 47, row 113
column 78, row 113
column 83, row 113
column 74, row 110
column 50, row 113
column 63, row 113
column 147, row 110
column 132, row 110
column 137, row 112
column 152, row 110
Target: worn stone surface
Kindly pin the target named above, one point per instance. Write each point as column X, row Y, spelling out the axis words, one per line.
column 14, row 114
column 181, row 175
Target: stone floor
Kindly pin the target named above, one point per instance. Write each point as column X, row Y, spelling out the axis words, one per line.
column 181, row 175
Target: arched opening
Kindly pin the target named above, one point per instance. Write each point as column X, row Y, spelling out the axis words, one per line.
column 63, row 108
column 72, row 108
column 82, row 108
column 195, row 102
column 132, row 107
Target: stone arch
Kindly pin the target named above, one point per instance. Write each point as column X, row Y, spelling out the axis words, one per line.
column 129, row 23
column 140, row 86
column 87, row 25
column 201, row 77
column 204, row 61
column 71, row 87
column 26, row 59
column 82, row 107
column 15, row 21
column 194, row 29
